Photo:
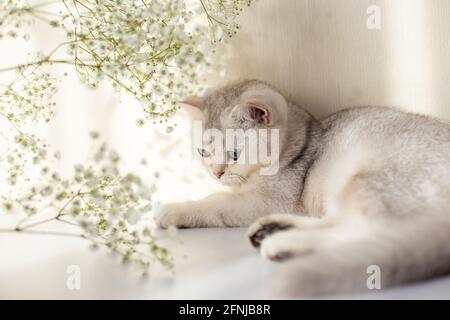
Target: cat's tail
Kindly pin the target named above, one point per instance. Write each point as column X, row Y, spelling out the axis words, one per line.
column 386, row 254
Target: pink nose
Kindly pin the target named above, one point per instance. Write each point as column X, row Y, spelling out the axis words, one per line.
column 218, row 174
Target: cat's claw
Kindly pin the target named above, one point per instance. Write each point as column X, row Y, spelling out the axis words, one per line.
column 266, row 226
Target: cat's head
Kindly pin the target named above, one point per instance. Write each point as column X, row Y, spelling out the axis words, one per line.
column 242, row 129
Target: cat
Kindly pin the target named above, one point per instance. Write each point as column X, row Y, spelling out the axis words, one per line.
column 364, row 187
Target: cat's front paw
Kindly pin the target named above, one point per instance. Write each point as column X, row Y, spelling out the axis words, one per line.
column 285, row 245
column 173, row 215
column 267, row 226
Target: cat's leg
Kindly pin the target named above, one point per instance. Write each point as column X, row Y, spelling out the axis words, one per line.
column 284, row 236
column 360, row 201
column 274, row 223
column 218, row 210
column 314, row 235
column 291, row 243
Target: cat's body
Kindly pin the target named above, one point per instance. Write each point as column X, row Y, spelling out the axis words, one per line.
column 365, row 186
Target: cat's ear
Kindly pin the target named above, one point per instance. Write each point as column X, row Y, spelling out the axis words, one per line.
column 256, row 111
column 193, row 105
column 193, row 102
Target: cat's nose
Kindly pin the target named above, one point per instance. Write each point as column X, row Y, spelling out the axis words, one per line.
column 219, row 174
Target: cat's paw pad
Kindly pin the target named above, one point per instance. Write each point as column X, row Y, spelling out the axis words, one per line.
column 266, row 226
column 278, row 249
column 172, row 215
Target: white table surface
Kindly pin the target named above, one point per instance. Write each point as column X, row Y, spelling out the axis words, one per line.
column 210, row 264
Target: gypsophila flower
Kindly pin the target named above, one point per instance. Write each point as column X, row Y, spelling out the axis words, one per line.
column 29, row 97
column 14, row 15
column 110, row 207
column 154, row 50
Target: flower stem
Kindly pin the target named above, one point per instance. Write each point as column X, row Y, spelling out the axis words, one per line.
column 37, row 223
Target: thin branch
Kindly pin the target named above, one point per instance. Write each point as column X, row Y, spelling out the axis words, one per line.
column 68, row 222
column 37, row 223
column 12, row 123
column 209, row 16
column 47, row 61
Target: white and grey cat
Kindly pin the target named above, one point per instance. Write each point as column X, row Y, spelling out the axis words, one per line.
column 365, row 186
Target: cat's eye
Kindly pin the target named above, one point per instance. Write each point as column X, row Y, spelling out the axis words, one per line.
column 204, row 153
column 233, row 154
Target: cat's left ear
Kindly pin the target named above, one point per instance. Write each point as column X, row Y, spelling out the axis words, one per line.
column 256, row 111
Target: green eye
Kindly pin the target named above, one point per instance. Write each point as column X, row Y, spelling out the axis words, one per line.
column 203, row 153
column 233, row 155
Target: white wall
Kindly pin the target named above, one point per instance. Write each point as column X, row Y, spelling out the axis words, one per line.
column 321, row 54
column 318, row 52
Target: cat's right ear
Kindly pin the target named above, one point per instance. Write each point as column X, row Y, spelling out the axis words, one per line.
column 193, row 102
column 193, row 105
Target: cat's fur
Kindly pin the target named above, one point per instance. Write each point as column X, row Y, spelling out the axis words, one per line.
column 364, row 186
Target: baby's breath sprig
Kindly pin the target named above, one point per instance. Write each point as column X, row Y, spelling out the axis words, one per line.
column 221, row 15
column 13, row 16
column 155, row 50
column 102, row 203
column 29, row 97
